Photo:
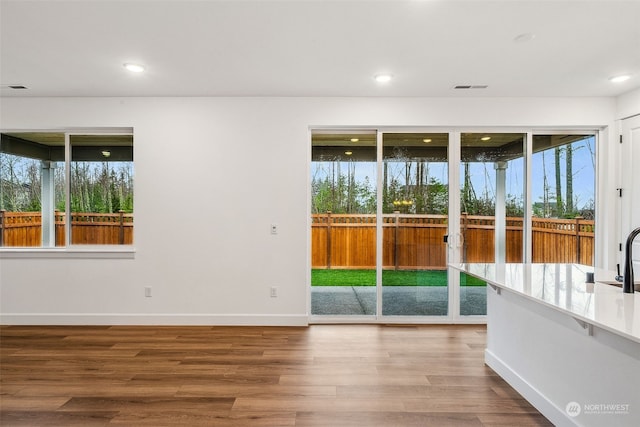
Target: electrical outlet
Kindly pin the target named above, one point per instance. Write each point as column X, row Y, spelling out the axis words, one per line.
column 274, row 292
column 274, row 228
column 147, row 291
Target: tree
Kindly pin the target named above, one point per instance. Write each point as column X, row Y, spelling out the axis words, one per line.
column 19, row 183
column 569, row 178
column 468, row 196
column 559, row 202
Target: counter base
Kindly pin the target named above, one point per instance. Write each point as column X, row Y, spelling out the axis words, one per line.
column 556, row 363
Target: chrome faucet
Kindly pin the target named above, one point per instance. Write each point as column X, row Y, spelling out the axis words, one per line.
column 627, row 281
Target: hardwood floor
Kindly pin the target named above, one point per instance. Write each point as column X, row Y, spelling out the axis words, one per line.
column 323, row 375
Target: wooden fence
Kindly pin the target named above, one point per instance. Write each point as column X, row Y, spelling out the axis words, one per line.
column 25, row 228
column 417, row 241
column 349, row 241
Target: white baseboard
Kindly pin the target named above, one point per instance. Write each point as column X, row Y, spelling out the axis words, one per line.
column 91, row 319
column 554, row 414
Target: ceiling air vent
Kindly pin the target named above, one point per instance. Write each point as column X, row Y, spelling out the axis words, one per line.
column 13, row 87
column 470, row 86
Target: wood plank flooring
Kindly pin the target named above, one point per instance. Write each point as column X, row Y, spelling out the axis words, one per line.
column 323, row 375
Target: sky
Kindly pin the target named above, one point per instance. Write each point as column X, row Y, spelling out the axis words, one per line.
column 483, row 174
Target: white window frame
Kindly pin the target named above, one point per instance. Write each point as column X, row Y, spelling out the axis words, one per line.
column 72, row 250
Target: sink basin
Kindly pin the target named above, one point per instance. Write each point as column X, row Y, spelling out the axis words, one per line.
column 617, row 284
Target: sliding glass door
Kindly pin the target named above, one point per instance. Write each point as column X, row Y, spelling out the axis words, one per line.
column 390, row 210
column 343, row 223
column 415, row 203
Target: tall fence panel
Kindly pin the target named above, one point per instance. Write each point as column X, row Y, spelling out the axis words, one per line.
column 24, row 229
column 478, row 234
column 479, row 238
column 20, row 229
column 344, row 241
column 107, row 229
column 563, row 240
column 414, row 241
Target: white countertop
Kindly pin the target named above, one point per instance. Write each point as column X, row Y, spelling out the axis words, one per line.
column 562, row 287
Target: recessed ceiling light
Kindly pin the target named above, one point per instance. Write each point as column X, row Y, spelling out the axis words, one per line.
column 620, row 78
column 383, row 78
column 524, row 37
column 485, row 138
column 354, row 140
column 348, row 153
column 134, row 68
column 426, row 140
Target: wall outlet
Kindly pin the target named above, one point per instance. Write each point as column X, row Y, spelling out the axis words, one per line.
column 274, row 292
column 274, row 228
column 147, row 291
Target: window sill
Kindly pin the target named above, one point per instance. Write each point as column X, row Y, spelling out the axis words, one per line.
column 74, row 252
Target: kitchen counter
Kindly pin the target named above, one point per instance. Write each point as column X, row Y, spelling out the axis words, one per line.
column 563, row 288
column 571, row 348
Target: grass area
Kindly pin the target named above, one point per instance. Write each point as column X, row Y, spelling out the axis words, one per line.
column 389, row 278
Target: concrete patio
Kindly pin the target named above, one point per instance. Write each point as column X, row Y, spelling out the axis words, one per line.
column 396, row 300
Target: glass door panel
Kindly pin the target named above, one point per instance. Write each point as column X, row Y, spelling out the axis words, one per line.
column 491, row 207
column 563, row 198
column 415, row 207
column 343, row 223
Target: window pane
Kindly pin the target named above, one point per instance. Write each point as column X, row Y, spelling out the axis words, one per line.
column 343, row 181
column 32, row 189
column 492, row 207
column 491, row 183
column 563, row 196
column 101, row 189
column 415, row 206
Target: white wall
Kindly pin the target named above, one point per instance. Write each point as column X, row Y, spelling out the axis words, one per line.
column 232, row 167
column 628, row 104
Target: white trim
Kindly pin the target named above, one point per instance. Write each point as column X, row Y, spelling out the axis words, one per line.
column 67, row 190
column 309, row 256
column 454, row 242
column 76, row 251
column 319, row 319
column 527, row 230
column 599, row 202
column 108, row 130
column 153, row 319
column 379, row 219
column 398, row 320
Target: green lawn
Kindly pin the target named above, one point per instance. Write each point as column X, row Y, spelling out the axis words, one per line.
column 389, row 278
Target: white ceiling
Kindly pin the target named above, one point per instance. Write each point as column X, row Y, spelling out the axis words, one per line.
column 318, row 48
